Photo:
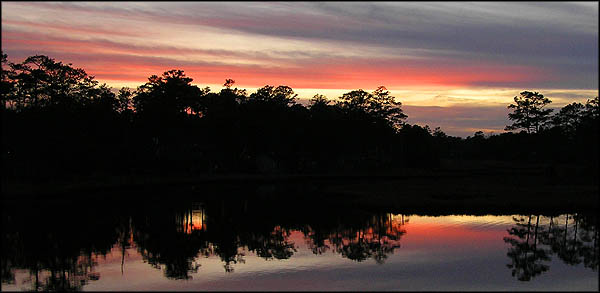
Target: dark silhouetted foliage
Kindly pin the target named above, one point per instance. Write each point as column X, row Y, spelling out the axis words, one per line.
column 59, row 122
column 528, row 112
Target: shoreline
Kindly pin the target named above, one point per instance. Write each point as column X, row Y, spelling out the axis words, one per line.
column 423, row 190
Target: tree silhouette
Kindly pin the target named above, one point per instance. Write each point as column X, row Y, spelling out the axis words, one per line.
column 592, row 108
column 240, row 94
column 569, row 118
column 124, row 99
column 7, row 82
column 379, row 105
column 529, row 112
column 42, row 81
column 319, row 100
column 281, row 95
column 384, row 106
column 168, row 125
column 169, row 95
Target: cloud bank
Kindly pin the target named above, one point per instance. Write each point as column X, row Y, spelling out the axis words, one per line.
column 419, row 50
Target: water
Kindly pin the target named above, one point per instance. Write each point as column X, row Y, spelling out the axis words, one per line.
column 265, row 243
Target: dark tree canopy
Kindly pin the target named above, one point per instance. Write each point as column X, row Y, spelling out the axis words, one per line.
column 171, row 94
column 235, row 94
column 124, row 100
column 319, row 101
column 384, row 106
column 7, row 82
column 281, row 95
column 592, row 109
column 528, row 112
column 41, row 81
column 59, row 121
column 569, row 117
column 379, row 105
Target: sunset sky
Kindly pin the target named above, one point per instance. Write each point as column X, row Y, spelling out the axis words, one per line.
column 453, row 65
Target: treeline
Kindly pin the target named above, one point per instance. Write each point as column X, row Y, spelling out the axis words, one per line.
column 569, row 136
column 58, row 120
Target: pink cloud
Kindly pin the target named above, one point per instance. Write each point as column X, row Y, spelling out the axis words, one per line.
column 100, row 57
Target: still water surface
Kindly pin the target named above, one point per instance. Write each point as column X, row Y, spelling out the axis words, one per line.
column 250, row 245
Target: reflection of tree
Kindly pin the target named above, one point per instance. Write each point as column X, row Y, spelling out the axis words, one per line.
column 70, row 274
column 57, row 245
column 589, row 251
column 227, row 246
column 573, row 240
column 568, row 249
column 375, row 238
column 388, row 234
column 357, row 250
column 576, row 244
column 272, row 245
column 525, row 255
column 223, row 234
column 315, row 240
column 162, row 245
column 125, row 238
column 61, row 253
column 237, row 228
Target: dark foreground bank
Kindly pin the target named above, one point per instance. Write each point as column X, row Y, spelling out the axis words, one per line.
column 466, row 191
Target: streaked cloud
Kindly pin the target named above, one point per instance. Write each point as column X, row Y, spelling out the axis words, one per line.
column 453, row 54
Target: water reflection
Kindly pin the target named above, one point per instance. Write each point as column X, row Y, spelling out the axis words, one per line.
column 59, row 250
column 59, row 246
column 379, row 236
column 230, row 232
column 533, row 244
column 527, row 259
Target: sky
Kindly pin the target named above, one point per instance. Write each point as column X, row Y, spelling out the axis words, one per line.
column 456, row 65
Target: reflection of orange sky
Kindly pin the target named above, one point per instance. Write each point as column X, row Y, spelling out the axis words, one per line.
column 198, row 220
column 447, row 233
column 422, row 234
column 418, row 231
column 195, row 220
column 429, row 232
